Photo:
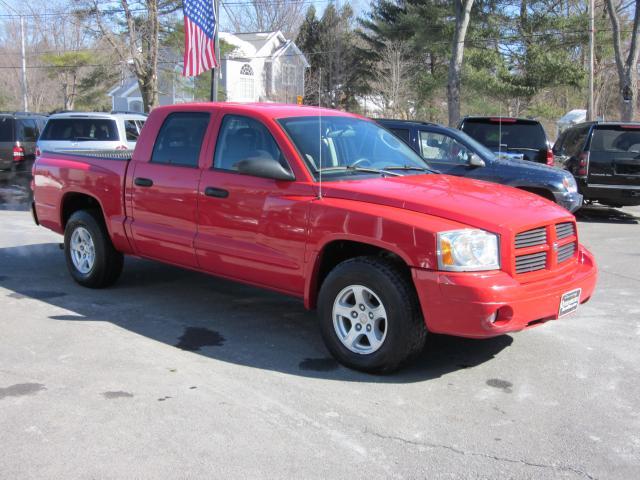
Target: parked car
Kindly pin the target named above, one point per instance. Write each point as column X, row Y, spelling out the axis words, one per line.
column 325, row 206
column 453, row 152
column 513, row 138
column 18, row 134
column 604, row 157
column 91, row 131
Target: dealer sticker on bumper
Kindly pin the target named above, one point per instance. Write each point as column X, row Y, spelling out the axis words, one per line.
column 569, row 302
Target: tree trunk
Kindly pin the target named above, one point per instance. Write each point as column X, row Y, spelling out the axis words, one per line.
column 463, row 14
column 627, row 68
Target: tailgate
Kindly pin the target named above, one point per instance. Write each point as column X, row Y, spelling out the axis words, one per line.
column 614, row 157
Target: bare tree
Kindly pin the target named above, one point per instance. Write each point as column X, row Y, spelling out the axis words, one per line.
column 136, row 44
column 266, row 16
column 393, row 88
column 627, row 67
column 462, row 14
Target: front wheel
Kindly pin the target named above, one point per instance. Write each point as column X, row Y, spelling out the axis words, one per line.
column 91, row 258
column 369, row 315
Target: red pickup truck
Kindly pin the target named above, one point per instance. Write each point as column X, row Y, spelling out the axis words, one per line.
column 326, row 206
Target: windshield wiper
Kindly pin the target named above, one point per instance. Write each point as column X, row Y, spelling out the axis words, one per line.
column 407, row 168
column 349, row 168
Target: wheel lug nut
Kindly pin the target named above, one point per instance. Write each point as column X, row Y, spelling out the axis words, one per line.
column 354, row 314
column 371, row 315
column 358, row 327
column 368, row 328
column 362, row 307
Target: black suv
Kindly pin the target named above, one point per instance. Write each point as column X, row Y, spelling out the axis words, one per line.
column 452, row 152
column 19, row 132
column 604, row 157
column 519, row 138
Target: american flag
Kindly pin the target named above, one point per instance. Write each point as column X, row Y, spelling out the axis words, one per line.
column 199, row 37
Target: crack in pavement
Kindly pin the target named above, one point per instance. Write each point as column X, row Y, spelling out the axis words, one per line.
column 621, row 275
column 480, row 454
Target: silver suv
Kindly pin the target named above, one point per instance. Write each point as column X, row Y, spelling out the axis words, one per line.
column 91, row 131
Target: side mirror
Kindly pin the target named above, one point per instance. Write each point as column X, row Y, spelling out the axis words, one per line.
column 265, row 167
column 476, row 161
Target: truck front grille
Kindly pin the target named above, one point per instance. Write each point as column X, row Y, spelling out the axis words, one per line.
column 545, row 248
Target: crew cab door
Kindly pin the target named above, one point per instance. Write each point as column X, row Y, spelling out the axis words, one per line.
column 250, row 228
column 164, row 191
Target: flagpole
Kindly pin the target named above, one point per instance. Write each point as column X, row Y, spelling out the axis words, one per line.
column 215, row 71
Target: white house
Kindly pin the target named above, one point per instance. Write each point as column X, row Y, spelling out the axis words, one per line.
column 263, row 67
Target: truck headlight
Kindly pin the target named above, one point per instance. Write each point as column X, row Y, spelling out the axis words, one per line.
column 468, row 250
column 569, row 183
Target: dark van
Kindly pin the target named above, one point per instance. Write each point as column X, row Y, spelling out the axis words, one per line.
column 604, row 157
column 19, row 132
column 513, row 138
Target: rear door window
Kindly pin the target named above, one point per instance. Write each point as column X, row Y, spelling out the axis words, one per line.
column 28, row 130
column 180, row 139
column 241, row 138
column 439, row 148
column 132, row 131
column 575, row 141
column 6, row 129
column 616, row 138
column 81, row 130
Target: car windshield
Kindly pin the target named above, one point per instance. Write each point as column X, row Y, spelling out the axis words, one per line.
column 341, row 146
column 511, row 135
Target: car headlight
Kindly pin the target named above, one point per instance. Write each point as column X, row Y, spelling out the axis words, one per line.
column 468, row 250
column 569, row 183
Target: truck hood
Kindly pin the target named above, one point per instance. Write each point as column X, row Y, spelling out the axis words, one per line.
column 470, row 202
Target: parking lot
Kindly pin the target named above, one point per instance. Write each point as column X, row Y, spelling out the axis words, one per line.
column 176, row 374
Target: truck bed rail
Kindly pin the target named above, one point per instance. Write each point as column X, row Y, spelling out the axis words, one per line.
column 102, row 154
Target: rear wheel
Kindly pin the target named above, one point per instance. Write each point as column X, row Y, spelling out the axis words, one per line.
column 369, row 315
column 91, row 258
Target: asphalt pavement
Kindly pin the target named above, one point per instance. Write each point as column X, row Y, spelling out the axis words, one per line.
column 174, row 374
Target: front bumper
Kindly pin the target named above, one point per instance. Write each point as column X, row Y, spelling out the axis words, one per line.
column 463, row 304
column 572, row 201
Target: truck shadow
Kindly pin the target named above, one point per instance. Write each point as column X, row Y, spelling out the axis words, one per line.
column 214, row 318
column 15, row 191
column 602, row 214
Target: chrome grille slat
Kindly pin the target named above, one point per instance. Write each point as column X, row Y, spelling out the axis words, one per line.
column 567, row 251
column 564, row 230
column 531, row 262
column 531, row 238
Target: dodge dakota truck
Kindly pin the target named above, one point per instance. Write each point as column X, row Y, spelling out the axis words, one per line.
column 325, row 206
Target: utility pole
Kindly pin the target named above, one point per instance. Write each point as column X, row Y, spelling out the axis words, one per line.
column 591, row 115
column 215, row 72
column 25, row 104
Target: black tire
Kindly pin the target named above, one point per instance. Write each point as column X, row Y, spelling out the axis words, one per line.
column 108, row 262
column 405, row 328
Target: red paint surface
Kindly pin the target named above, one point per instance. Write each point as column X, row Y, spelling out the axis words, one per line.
column 272, row 233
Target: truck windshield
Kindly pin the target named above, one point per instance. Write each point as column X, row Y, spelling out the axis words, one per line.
column 345, row 146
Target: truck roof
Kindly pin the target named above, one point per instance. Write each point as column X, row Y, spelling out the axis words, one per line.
column 271, row 110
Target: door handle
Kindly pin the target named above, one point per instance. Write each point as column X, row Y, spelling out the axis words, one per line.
column 143, row 182
column 216, row 192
